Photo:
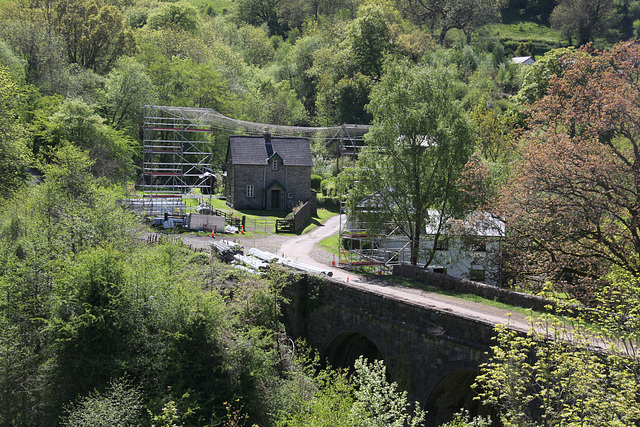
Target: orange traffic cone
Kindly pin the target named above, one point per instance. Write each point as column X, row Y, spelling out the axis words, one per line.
column 242, row 229
column 213, row 232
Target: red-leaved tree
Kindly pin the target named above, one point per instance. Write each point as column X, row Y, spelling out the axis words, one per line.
column 572, row 204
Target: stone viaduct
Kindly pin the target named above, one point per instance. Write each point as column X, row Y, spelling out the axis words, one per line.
column 433, row 354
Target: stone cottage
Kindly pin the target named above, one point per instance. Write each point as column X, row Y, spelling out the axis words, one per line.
column 265, row 172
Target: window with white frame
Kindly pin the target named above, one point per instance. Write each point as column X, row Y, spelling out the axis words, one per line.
column 274, row 165
column 250, row 191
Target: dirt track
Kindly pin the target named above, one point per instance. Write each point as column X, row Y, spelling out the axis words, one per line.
column 303, row 249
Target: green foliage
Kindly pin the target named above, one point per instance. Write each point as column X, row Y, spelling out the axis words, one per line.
column 77, row 123
column 537, row 76
column 316, row 182
column 43, row 52
column 121, row 404
column 556, row 378
column 258, row 12
column 582, row 20
column 180, row 15
column 128, row 89
column 186, row 82
column 369, row 40
column 415, row 152
column 14, row 152
column 14, row 65
column 364, row 399
column 378, row 403
column 462, row 419
column 96, row 35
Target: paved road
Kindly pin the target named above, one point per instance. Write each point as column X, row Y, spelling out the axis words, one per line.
column 299, row 249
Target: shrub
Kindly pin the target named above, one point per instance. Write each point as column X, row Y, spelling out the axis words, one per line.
column 316, row 181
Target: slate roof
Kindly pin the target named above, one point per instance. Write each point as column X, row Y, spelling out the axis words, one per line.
column 528, row 60
column 253, row 150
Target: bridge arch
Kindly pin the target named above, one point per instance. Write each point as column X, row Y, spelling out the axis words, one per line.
column 452, row 393
column 345, row 348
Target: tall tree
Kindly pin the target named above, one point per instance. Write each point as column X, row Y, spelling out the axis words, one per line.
column 369, row 39
column 96, row 35
column 258, row 12
column 444, row 15
column 128, row 89
column 581, row 20
column 572, row 204
column 179, row 15
column 416, row 149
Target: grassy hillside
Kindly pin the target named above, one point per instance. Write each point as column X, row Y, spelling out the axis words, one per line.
column 539, row 37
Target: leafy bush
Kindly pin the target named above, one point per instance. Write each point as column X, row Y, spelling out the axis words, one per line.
column 316, row 181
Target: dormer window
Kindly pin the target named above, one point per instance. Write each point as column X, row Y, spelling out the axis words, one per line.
column 274, row 165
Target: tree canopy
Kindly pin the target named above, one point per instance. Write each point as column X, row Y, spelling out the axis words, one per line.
column 416, row 149
column 577, row 178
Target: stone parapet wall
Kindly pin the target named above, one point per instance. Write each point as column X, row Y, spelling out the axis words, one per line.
column 464, row 286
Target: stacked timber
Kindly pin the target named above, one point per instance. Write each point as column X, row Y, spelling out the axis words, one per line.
column 223, row 251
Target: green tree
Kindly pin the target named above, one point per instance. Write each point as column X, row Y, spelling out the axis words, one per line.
column 128, row 89
column 582, row 20
column 416, row 149
column 180, row 15
column 14, row 150
column 378, row 403
column 369, row 39
column 444, row 15
column 258, row 12
column 296, row 67
column 95, row 34
column 121, row 405
column 110, row 150
column 270, row 102
column 554, row 376
column 363, row 398
column 494, row 132
column 537, row 77
column 42, row 49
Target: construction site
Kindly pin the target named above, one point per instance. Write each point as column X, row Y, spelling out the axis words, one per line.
column 177, row 177
column 177, row 182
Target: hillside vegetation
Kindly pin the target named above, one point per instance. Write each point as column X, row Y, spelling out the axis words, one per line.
column 98, row 327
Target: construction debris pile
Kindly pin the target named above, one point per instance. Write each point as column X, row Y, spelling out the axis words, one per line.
column 257, row 261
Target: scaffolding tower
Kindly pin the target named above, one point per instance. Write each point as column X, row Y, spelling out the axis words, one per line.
column 176, row 158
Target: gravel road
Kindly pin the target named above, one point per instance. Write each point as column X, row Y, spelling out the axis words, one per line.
column 303, row 249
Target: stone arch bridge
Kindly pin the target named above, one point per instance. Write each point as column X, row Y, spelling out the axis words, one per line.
column 432, row 353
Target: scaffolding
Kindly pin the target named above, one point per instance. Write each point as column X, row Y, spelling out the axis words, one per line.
column 176, row 154
column 359, row 248
column 177, row 151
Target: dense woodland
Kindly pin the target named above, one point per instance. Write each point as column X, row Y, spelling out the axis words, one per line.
column 99, row 328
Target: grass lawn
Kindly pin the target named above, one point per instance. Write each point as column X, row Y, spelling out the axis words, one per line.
column 330, row 244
